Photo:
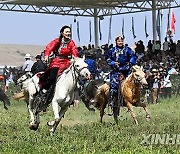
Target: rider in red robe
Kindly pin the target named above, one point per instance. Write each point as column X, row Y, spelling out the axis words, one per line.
column 63, row 48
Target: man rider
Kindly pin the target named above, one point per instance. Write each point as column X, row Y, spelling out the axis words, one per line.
column 120, row 58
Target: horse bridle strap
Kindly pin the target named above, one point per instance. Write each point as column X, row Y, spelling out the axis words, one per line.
column 81, row 69
column 24, row 79
column 139, row 80
column 78, row 71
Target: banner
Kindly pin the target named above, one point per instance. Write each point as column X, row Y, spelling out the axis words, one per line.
column 110, row 23
column 78, row 31
column 158, row 25
column 123, row 29
column 133, row 32
column 71, row 30
column 90, row 37
column 173, row 21
column 100, row 34
column 145, row 24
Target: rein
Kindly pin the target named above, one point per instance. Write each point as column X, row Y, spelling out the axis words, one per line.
column 75, row 72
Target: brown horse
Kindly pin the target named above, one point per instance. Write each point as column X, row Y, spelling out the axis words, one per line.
column 130, row 91
column 101, row 99
column 129, row 94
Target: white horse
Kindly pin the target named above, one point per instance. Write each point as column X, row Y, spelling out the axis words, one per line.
column 63, row 95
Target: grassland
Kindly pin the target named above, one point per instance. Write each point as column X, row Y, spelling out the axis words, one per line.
column 81, row 132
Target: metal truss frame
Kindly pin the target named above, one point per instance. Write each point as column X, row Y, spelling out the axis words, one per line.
column 103, row 8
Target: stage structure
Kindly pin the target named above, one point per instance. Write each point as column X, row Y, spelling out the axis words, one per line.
column 90, row 8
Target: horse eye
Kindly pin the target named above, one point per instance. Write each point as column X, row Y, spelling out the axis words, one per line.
column 77, row 65
column 137, row 75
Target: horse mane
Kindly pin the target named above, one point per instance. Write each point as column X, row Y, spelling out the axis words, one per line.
column 64, row 72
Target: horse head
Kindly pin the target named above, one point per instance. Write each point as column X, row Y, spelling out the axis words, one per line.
column 139, row 75
column 81, row 68
column 22, row 80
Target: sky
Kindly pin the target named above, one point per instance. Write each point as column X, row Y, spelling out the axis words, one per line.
column 40, row 29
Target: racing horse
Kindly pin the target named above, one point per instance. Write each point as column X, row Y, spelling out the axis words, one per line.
column 63, row 93
column 130, row 92
column 129, row 95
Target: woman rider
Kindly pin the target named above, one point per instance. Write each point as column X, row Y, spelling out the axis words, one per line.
column 63, row 48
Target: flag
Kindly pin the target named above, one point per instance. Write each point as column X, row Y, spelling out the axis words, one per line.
column 100, row 34
column 123, row 29
column 173, row 21
column 110, row 23
column 71, row 30
column 168, row 24
column 90, row 37
column 78, row 34
column 133, row 32
column 145, row 24
column 158, row 25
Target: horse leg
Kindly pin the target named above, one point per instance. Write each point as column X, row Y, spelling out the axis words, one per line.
column 32, row 119
column 145, row 109
column 57, row 115
column 57, row 120
column 5, row 107
column 103, row 106
column 34, row 122
column 130, row 107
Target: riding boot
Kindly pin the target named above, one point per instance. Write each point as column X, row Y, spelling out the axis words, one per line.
column 42, row 94
column 113, row 99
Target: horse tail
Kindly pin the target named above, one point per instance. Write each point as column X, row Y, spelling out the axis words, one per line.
column 21, row 95
column 105, row 90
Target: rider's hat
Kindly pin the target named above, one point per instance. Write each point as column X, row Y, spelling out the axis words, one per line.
column 119, row 37
column 38, row 57
column 27, row 56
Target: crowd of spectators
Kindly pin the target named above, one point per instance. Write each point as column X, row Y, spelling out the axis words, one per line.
column 159, row 61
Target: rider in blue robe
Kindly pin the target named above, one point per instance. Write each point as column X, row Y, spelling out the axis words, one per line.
column 120, row 58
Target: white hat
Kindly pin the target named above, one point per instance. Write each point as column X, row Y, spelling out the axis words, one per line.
column 27, row 56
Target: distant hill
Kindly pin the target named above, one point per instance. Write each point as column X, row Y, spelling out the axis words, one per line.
column 13, row 55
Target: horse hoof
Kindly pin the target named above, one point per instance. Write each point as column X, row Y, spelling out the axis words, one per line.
column 36, row 126
column 91, row 109
column 50, row 123
column 148, row 118
column 33, row 126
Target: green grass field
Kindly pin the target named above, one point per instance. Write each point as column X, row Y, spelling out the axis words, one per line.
column 81, row 132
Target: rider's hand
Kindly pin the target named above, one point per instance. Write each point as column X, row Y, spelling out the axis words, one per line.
column 116, row 64
column 46, row 58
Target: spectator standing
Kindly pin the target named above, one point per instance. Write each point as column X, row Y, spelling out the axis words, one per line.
column 27, row 64
column 166, row 46
column 156, row 85
column 167, row 85
column 38, row 66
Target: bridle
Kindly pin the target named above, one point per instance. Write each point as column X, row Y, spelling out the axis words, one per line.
column 21, row 81
column 139, row 79
column 78, row 71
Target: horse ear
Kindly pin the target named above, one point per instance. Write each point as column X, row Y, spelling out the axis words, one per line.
column 83, row 57
column 135, row 68
column 73, row 59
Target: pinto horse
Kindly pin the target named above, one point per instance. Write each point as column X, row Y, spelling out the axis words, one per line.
column 130, row 91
